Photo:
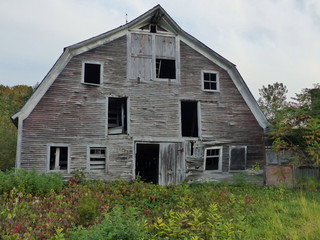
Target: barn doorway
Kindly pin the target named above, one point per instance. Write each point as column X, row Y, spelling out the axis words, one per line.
column 147, row 162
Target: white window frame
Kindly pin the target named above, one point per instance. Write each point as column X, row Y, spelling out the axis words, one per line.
column 83, row 71
column 220, row 159
column 89, row 157
column 245, row 160
column 217, row 80
column 48, row 156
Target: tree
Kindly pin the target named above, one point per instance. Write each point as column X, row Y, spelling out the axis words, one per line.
column 11, row 100
column 272, row 100
column 297, row 128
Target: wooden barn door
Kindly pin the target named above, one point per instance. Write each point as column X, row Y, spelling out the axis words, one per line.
column 172, row 167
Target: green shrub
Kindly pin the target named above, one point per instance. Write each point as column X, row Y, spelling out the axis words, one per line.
column 87, row 209
column 117, row 224
column 30, row 182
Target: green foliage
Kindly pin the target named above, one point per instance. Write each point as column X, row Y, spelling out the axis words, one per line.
column 296, row 128
column 117, row 224
column 11, row 100
column 272, row 99
column 139, row 210
column 88, row 208
column 30, row 182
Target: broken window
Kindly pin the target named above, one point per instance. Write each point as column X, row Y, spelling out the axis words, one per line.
column 153, row 28
column 166, row 68
column 210, row 81
column 189, row 119
column 238, row 158
column 92, row 73
column 152, row 56
column 97, row 158
column 58, row 158
column 213, row 158
column 117, row 115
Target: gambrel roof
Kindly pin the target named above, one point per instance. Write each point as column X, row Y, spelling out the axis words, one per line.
column 156, row 15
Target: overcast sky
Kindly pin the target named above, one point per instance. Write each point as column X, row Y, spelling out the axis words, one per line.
column 269, row 40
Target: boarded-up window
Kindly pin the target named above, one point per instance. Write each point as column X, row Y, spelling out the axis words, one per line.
column 58, row 158
column 92, row 73
column 189, row 119
column 117, row 115
column 210, row 81
column 213, row 159
column 152, row 57
column 238, row 158
column 141, row 57
column 97, row 158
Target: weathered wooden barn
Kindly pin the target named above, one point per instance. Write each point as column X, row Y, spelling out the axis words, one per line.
column 145, row 99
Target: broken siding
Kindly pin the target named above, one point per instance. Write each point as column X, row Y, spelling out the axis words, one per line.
column 226, row 119
column 75, row 114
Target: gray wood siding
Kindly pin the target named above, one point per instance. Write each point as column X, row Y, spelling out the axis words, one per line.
column 75, row 114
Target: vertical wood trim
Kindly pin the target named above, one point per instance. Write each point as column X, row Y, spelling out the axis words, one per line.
column 180, row 119
column 128, row 55
column 153, row 70
column 128, row 115
column 19, row 141
column 178, row 78
column 88, row 158
column 107, row 114
column 199, row 119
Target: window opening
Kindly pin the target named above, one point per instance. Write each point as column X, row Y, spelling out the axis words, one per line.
column 117, row 116
column 213, row 158
column 58, row 158
column 153, row 28
column 189, row 119
column 166, row 68
column 210, row 81
column 97, row 158
column 92, row 73
column 238, row 157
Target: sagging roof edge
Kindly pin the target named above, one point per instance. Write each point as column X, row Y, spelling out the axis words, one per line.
column 101, row 39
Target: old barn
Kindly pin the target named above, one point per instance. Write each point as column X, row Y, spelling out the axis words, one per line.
column 145, row 99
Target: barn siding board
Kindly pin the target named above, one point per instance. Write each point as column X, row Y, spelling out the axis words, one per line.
column 74, row 113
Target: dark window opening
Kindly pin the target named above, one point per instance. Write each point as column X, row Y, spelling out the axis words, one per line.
column 189, row 119
column 147, row 162
column 191, row 148
column 92, row 73
column 153, row 28
column 58, row 158
column 210, row 81
column 117, row 116
column 212, row 159
column 97, row 158
column 238, row 158
column 166, row 68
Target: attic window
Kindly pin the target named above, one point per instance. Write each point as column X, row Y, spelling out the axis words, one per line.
column 92, row 73
column 210, row 81
column 58, row 158
column 117, row 115
column 153, row 28
column 166, row 68
column 213, row 159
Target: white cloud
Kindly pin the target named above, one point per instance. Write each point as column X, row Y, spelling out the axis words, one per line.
column 269, row 40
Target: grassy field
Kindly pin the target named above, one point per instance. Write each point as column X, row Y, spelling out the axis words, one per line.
column 43, row 207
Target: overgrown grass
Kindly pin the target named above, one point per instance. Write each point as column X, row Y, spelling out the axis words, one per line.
column 137, row 210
